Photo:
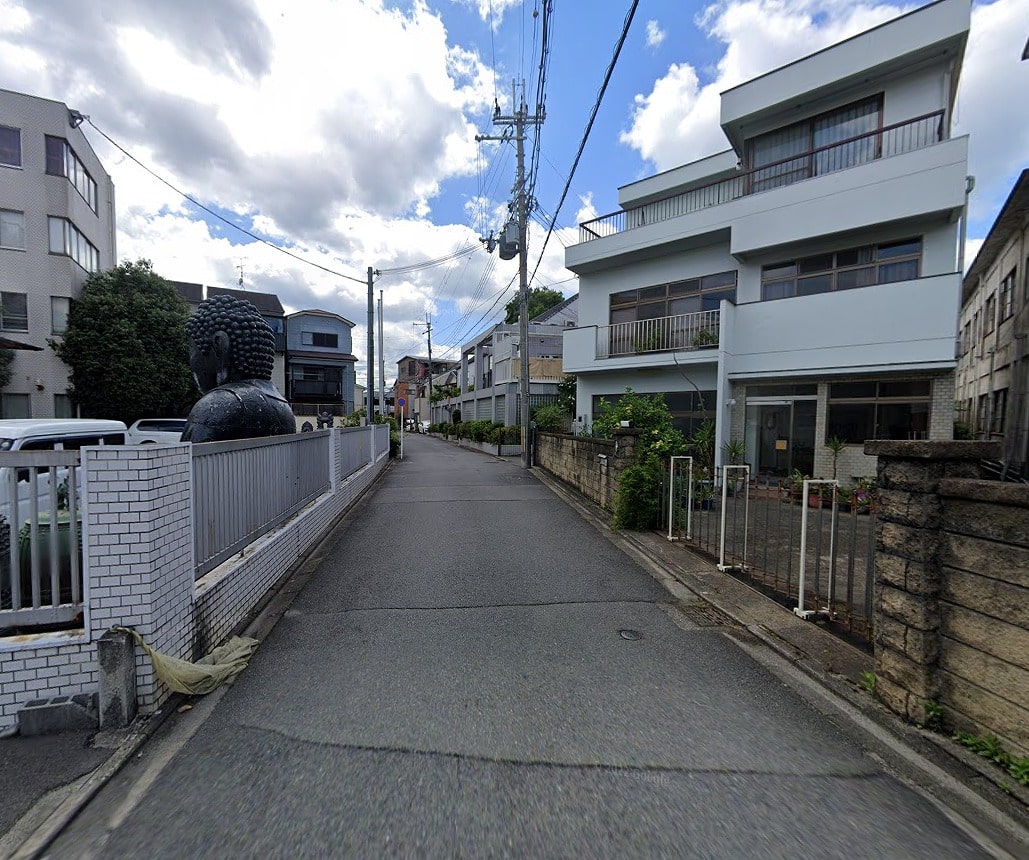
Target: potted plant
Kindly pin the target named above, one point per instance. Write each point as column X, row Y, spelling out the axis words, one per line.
column 836, row 445
column 705, row 338
column 862, row 495
column 734, row 451
column 795, row 483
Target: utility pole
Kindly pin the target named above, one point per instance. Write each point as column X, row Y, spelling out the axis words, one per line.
column 428, row 334
column 370, row 393
column 382, row 362
column 518, row 120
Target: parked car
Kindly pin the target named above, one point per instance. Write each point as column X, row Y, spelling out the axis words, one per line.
column 150, row 431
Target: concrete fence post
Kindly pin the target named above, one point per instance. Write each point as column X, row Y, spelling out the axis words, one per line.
column 906, row 607
column 116, row 660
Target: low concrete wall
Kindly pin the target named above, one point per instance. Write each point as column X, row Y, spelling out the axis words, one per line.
column 591, row 466
column 139, row 572
column 952, row 589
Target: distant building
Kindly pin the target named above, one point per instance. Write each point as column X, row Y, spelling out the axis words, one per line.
column 320, row 363
column 489, row 378
column 57, row 225
column 412, row 384
column 993, row 368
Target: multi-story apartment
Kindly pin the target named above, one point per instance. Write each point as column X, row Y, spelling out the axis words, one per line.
column 488, row 380
column 993, row 368
column 56, row 226
column 320, row 363
column 804, row 283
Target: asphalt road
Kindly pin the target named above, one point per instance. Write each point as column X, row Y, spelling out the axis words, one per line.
column 453, row 681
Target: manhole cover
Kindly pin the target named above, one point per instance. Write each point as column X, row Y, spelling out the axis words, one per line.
column 631, row 635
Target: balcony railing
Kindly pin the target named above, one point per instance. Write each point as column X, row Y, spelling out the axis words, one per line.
column 891, row 140
column 314, row 388
column 686, row 331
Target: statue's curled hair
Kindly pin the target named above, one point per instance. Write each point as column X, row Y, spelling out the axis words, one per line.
column 251, row 341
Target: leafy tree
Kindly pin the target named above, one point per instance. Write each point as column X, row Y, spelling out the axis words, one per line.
column 566, row 389
column 6, row 358
column 540, row 299
column 126, row 346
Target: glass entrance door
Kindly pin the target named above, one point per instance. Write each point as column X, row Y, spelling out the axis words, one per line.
column 782, row 436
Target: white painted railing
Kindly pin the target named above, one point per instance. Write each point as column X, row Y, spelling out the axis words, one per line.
column 686, row 331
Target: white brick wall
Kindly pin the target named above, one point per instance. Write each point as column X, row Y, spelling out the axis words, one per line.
column 138, row 569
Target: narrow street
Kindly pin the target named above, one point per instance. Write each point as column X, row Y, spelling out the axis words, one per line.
column 474, row 670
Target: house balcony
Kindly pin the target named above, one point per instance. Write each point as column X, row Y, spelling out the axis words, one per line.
column 308, row 389
column 643, row 343
column 902, row 171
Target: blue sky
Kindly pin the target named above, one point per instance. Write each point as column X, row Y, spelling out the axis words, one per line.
column 344, row 130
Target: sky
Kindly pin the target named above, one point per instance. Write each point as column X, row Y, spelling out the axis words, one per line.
column 343, row 131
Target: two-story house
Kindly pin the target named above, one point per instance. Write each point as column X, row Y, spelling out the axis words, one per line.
column 803, row 284
column 57, row 225
column 993, row 368
column 414, row 373
column 320, row 363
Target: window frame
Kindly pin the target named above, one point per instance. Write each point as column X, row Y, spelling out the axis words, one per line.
column 53, row 324
column 789, row 273
column 72, row 168
column 6, row 245
column 664, row 294
column 879, row 402
column 20, row 149
column 1006, row 303
column 10, row 321
column 311, row 338
column 74, row 242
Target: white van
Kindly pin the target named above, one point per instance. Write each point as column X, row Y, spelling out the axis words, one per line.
column 150, row 431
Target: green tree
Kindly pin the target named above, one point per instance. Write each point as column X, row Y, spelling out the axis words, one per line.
column 566, row 390
column 6, row 358
column 126, row 345
column 540, row 299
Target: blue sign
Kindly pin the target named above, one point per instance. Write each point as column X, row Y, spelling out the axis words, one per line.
column 401, row 401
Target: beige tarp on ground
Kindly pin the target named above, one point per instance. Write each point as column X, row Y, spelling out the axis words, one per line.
column 208, row 673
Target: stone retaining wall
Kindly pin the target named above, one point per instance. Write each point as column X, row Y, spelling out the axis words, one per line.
column 591, row 466
column 952, row 589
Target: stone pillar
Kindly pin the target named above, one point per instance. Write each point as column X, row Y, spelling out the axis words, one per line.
column 906, row 610
column 116, row 660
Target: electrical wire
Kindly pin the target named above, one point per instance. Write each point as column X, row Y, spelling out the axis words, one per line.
column 221, row 218
column 589, row 127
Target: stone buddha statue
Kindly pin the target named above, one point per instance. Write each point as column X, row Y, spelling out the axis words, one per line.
column 232, row 352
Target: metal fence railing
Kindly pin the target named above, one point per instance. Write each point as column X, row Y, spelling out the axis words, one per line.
column 246, row 487
column 355, row 450
column 757, row 533
column 40, row 539
column 896, row 139
column 684, row 331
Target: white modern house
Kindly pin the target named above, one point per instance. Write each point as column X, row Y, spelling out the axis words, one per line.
column 57, row 225
column 803, row 283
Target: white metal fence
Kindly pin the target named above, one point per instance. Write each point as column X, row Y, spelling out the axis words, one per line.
column 40, row 539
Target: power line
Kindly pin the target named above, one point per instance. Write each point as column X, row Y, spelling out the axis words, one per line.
column 210, row 211
column 589, row 126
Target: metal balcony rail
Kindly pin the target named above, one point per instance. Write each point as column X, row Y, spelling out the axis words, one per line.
column 890, row 140
column 686, row 331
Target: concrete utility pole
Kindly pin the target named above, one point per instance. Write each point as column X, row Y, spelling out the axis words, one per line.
column 370, row 393
column 382, row 362
column 518, row 121
column 428, row 334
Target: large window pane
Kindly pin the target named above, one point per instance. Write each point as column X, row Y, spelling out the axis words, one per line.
column 849, row 279
column 14, row 311
column 814, row 285
column 16, row 406
column 906, row 270
column 852, row 422
column 55, row 155
column 59, row 306
column 777, row 290
column 57, row 236
column 10, row 146
column 12, row 229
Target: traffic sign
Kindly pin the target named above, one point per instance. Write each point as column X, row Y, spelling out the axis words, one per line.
column 401, row 401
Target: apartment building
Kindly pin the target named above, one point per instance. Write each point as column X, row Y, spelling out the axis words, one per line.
column 488, row 381
column 57, row 225
column 993, row 367
column 803, row 284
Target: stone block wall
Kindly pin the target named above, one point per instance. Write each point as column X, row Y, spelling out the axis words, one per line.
column 952, row 589
column 591, row 466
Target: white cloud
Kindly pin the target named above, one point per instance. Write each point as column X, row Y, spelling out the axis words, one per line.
column 655, row 35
